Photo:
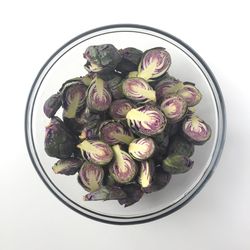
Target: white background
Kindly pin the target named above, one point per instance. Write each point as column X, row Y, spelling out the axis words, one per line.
column 31, row 218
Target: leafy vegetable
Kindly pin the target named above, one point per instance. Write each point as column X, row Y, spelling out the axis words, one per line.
column 68, row 166
column 52, row 104
column 180, row 145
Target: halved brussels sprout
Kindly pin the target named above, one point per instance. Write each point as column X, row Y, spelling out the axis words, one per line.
column 91, row 176
column 132, row 74
column 142, row 148
column 101, row 58
column 146, row 120
column 58, row 142
column 119, row 108
column 114, row 132
column 73, row 98
column 137, row 89
column 174, row 107
column 160, row 180
column 95, row 151
column 68, row 166
column 124, row 168
column 98, row 96
column 52, row 104
column 190, row 94
column 106, row 193
column 154, row 63
column 196, row 130
column 167, row 86
column 181, row 146
column 130, row 60
column 87, row 79
column 177, row 164
column 147, row 169
column 133, row 192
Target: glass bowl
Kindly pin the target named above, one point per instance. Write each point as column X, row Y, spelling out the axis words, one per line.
column 187, row 65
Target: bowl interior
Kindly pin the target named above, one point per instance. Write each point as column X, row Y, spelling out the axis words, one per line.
column 68, row 63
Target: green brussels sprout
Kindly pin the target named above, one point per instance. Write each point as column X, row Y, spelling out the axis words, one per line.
column 196, row 130
column 114, row 132
column 137, row 89
column 119, row 108
column 147, row 169
column 142, row 148
column 91, row 176
column 68, row 166
column 177, row 164
column 106, row 193
column 96, row 151
column 58, row 141
column 133, row 192
column 101, row 58
column 130, row 59
column 146, row 120
column 180, row 145
column 174, row 107
column 154, row 63
column 124, row 168
column 52, row 104
column 98, row 98
column 190, row 94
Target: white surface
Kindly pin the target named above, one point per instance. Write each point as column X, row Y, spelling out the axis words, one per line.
column 31, row 218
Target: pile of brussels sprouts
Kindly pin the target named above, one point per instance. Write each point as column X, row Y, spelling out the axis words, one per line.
column 127, row 125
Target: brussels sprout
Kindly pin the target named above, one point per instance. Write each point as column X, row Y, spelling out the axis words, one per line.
column 167, row 86
column 154, row 63
column 108, row 180
column 73, row 98
column 174, row 107
column 114, row 84
column 67, row 166
column 161, row 143
column 119, row 108
column 177, row 164
column 106, row 193
column 142, row 148
column 124, row 168
column 146, row 120
column 101, row 58
column 87, row 79
column 160, row 180
column 181, row 146
column 130, row 60
column 196, row 130
column 132, row 74
column 114, row 132
column 137, row 89
column 147, row 169
column 174, row 128
column 95, row 151
column 52, row 104
column 134, row 194
column 91, row 176
column 99, row 98
column 58, row 142
column 190, row 94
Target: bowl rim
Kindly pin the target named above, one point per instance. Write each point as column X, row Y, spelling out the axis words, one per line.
column 223, row 120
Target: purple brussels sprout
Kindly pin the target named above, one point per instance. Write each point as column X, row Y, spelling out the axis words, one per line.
column 98, row 98
column 146, row 120
column 96, row 151
column 124, row 168
column 101, row 58
column 180, row 145
column 190, row 94
column 59, row 142
column 114, row 132
column 91, row 176
column 174, row 107
column 137, row 89
column 154, row 63
column 141, row 149
column 68, row 166
column 177, row 164
column 52, row 104
column 146, row 173
column 196, row 130
column 119, row 108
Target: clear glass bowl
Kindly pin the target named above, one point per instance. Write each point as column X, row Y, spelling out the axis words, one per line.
column 187, row 65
